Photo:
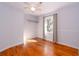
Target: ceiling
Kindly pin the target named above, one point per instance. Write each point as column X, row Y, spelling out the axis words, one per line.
column 46, row 7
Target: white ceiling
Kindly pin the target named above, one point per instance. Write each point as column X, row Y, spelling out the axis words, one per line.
column 46, row 7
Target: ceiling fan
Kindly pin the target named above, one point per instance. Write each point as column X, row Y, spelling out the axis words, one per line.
column 33, row 6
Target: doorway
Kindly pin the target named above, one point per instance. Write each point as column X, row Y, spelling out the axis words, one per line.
column 50, row 28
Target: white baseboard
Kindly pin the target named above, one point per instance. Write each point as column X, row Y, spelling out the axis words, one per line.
column 66, row 45
column 10, row 46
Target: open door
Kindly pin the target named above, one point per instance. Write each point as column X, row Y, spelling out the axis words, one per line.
column 50, row 28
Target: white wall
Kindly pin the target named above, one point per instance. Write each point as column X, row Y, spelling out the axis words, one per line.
column 11, row 26
column 40, row 27
column 30, row 26
column 68, row 25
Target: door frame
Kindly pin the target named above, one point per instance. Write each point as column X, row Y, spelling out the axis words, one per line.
column 55, row 36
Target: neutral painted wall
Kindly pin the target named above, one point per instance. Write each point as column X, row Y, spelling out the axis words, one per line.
column 11, row 26
column 68, row 25
column 40, row 27
column 30, row 26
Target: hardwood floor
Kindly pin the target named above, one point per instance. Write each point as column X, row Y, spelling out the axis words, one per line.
column 39, row 47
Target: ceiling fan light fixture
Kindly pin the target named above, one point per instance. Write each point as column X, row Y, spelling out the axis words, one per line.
column 33, row 8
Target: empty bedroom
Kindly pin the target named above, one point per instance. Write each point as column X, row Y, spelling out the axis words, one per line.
column 39, row 28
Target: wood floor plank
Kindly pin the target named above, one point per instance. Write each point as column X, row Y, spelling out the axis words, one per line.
column 40, row 48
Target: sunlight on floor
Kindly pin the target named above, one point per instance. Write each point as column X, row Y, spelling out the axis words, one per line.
column 31, row 40
column 27, row 39
column 47, row 50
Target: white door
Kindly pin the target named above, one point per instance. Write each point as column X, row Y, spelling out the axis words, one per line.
column 48, row 28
